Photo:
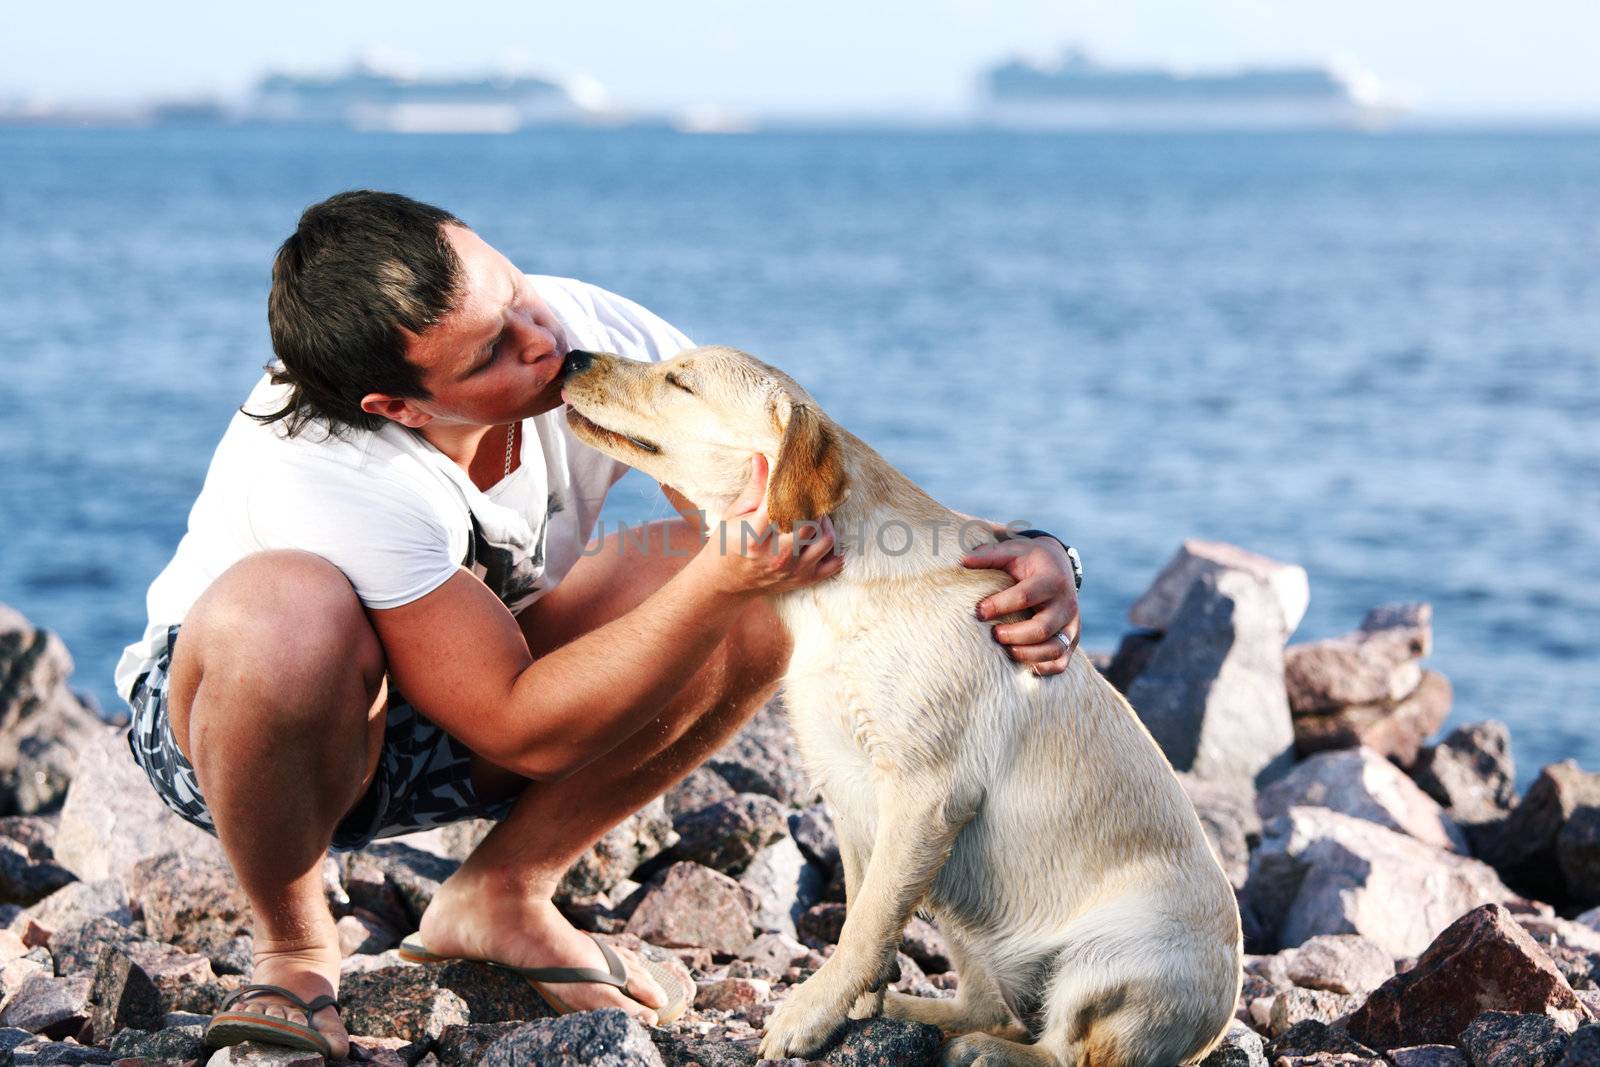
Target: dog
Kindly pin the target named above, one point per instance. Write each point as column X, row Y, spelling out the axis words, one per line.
column 1087, row 918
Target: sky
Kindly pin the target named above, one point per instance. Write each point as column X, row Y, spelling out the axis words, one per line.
column 1494, row 58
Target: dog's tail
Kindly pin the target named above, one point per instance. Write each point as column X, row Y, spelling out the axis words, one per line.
column 1121, row 997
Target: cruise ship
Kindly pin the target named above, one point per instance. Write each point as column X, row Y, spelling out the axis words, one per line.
column 1076, row 92
column 365, row 97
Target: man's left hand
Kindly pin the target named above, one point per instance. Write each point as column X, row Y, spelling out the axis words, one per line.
column 1043, row 574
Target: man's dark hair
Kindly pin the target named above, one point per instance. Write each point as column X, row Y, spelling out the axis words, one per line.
column 361, row 270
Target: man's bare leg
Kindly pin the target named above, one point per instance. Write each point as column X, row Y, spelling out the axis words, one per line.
column 497, row 906
column 276, row 696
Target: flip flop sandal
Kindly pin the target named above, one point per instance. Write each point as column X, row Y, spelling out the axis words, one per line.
column 232, row 1027
column 412, row 950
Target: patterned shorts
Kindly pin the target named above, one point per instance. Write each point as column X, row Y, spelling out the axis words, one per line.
column 423, row 777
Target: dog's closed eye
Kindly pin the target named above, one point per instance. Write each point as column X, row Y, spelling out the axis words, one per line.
column 676, row 382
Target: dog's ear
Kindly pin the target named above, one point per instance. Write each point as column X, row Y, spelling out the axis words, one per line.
column 808, row 481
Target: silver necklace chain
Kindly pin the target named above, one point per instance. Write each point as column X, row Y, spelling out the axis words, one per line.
column 511, row 437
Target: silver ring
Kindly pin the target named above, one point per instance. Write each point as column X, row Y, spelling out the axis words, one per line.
column 1066, row 642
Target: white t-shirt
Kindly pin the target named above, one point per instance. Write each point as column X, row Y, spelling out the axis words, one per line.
column 391, row 511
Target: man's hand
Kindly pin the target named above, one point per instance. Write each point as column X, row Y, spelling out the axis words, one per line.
column 746, row 555
column 1044, row 583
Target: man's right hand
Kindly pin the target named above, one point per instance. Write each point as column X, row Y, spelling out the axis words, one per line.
column 745, row 555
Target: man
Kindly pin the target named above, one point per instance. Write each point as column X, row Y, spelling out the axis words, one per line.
column 399, row 509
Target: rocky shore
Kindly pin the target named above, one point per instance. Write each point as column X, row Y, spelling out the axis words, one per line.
column 1402, row 905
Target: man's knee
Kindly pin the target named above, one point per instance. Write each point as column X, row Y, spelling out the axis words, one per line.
column 287, row 621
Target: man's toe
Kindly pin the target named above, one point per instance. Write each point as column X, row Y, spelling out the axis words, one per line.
column 642, row 986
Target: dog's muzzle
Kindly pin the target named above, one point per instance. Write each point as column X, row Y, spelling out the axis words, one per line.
column 577, row 362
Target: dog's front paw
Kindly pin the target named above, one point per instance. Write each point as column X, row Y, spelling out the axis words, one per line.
column 802, row 1024
column 867, row 1006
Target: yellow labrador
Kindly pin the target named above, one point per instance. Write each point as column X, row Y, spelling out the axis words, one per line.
column 1034, row 818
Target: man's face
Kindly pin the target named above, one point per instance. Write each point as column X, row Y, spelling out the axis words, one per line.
column 496, row 358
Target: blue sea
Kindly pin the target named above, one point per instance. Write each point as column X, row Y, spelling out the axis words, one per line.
column 1374, row 356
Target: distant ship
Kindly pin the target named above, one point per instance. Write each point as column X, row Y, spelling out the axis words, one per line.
column 366, row 98
column 1075, row 92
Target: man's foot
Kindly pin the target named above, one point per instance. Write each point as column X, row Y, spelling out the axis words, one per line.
column 470, row 921
column 308, row 973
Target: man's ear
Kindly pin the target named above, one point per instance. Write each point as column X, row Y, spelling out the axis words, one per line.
column 808, row 481
column 396, row 408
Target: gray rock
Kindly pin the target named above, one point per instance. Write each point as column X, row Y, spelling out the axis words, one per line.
column 43, row 724
column 1584, row 1048
column 731, row 994
column 703, row 786
column 871, row 1042
column 78, row 902
column 923, row 942
column 821, row 924
column 192, row 902
column 763, row 758
column 418, row 1003
column 16, row 973
column 1362, row 784
column 690, row 906
column 1394, row 729
column 1578, row 853
column 365, row 934
column 678, row 1051
column 1339, row 963
column 1228, row 816
column 1132, row 656
column 25, row 880
column 1319, row 872
column 172, row 1043
column 1524, row 848
column 462, row 1046
column 404, row 1002
column 771, row 954
column 642, row 836
column 112, row 817
column 1553, row 930
column 1506, row 1039
column 59, row 1053
column 413, row 873
column 452, row 841
column 386, row 1051
column 1471, row 773
column 1295, row 1006
column 782, row 884
column 251, row 1054
column 55, row 1007
column 1212, row 695
column 1311, row 1037
column 12, row 1037
column 1240, row 1047
column 726, row 835
column 812, row 829
column 234, row 956
column 76, row 949
column 1428, row 1056
column 605, row 1038
column 367, row 888
column 1158, row 608
column 124, row 995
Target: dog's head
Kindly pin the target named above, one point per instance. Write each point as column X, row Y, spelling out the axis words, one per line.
column 693, row 422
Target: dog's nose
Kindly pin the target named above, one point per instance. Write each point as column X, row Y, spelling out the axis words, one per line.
column 577, row 362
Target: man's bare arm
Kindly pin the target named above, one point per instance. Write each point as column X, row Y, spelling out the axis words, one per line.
column 460, row 657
